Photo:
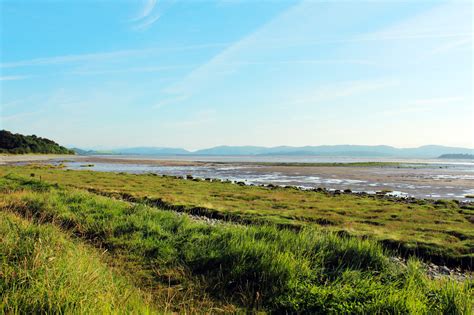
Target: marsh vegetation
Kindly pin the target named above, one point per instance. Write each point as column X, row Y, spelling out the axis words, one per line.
column 137, row 257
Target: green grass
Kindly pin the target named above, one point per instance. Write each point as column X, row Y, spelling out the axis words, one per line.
column 442, row 232
column 221, row 267
column 42, row 270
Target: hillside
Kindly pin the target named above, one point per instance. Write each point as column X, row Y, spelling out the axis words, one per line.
column 15, row 143
column 427, row 151
column 457, row 156
column 151, row 151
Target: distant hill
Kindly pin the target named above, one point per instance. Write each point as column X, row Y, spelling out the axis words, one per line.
column 151, row 151
column 457, row 156
column 15, row 143
column 134, row 151
column 91, row 152
column 229, row 150
column 429, row 151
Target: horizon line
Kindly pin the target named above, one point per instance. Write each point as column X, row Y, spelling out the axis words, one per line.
column 263, row 147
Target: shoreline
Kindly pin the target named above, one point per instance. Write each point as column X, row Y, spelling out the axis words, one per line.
column 418, row 180
column 6, row 159
column 201, row 160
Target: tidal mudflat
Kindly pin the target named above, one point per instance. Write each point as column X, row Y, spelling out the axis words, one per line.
column 406, row 178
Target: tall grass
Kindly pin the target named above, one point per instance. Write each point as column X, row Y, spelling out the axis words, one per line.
column 253, row 267
column 441, row 232
column 42, row 271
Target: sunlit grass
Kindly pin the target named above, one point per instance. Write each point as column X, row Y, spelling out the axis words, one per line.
column 43, row 270
column 442, row 231
column 228, row 266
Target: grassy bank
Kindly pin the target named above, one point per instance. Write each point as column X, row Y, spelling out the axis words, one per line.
column 219, row 267
column 443, row 231
column 44, row 270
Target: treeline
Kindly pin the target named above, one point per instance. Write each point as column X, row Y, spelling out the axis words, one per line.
column 15, row 143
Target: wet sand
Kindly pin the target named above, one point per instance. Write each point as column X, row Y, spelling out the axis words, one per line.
column 426, row 181
column 11, row 159
column 423, row 181
column 33, row 158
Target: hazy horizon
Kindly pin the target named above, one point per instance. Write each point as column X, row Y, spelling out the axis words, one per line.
column 201, row 74
column 104, row 147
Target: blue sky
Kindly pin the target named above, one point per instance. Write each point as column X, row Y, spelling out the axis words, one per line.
column 197, row 74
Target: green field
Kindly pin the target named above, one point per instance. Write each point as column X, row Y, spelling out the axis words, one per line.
column 65, row 248
column 443, row 232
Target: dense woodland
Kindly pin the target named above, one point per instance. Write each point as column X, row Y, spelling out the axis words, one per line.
column 15, row 143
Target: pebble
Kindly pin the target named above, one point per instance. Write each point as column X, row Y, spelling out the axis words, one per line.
column 438, row 272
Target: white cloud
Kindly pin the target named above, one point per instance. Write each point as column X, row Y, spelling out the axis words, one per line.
column 147, row 22
column 146, row 10
column 150, row 14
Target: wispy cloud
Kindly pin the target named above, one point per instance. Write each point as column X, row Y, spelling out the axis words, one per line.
column 14, row 77
column 146, row 10
column 340, row 90
column 146, row 23
column 444, row 21
column 170, row 100
column 303, row 62
column 456, row 44
column 19, row 116
column 101, row 56
column 18, row 102
column 199, row 119
column 150, row 13
column 293, row 32
column 148, row 69
column 401, row 36
column 71, row 58
column 422, row 105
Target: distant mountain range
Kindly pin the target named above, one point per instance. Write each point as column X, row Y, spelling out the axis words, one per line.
column 134, row 151
column 428, row 151
column 19, row 144
column 457, row 156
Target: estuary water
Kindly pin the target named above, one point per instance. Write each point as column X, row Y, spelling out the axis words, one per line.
column 420, row 178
